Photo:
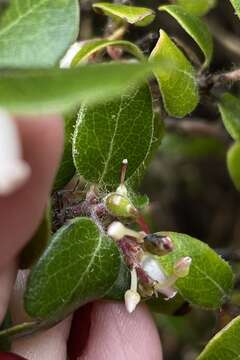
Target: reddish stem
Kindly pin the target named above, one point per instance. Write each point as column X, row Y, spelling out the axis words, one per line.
column 142, row 223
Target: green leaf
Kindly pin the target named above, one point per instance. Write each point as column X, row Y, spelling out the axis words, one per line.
column 134, row 181
column 199, row 7
column 113, row 131
column 93, row 46
column 233, row 164
column 229, row 107
column 56, row 90
column 236, row 5
column 225, row 345
column 37, row 244
column 72, row 271
column 135, row 15
column 36, row 33
column 210, row 280
column 67, row 169
column 195, row 27
column 177, row 83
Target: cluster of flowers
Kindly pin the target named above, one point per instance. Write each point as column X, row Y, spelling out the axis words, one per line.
column 141, row 251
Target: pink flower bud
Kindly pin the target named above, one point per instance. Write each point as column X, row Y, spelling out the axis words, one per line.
column 182, row 267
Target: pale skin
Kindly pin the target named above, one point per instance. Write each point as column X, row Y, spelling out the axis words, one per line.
column 114, row 334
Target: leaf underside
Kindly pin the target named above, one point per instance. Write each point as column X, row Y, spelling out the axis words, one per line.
column 36, row 33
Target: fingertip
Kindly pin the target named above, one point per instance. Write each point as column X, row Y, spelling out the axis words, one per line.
column 42, row 140
column 116, row 334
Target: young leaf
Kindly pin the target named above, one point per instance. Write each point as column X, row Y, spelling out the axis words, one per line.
column 178, row 82
column 110, row 132
column 73, row 270
column 229, row 107
column 37, row 33
column 195, row 27
column 93, row 46
column 225, row 345
column 55, row 90
column 233, row 164
column 236, row 5
column 210, row 280
column 67, row 169
column 198, row 8
column 135, row 15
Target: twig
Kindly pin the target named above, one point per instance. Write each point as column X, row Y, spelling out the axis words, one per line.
column 231, row 76
column 195, row 128
column 118, row 33
column 216, row 80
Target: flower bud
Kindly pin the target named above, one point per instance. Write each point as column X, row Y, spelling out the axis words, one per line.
column 182, row 267
column 132, row 299
column 158, row 244
column 119, row 205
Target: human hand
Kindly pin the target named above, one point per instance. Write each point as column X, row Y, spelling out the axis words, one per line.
column 104, row 331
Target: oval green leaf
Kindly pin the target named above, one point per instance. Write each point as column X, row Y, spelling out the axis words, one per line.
column 177, row 83
column 66, row 169
column 72, row 271
column 110, row 132
column 233, row 164
column 134, row 182
column 195, row 27
column 134, row 15
column 210, row 280
column 37, row 33
column 55, row 90
column 236, row 5
column 225, row 345
column 199, row 7
column 91, row 47
column 229, row 107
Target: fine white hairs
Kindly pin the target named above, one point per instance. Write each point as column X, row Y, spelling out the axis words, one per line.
column 14, row 171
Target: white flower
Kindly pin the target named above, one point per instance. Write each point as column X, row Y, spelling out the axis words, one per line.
column 14, row 171
column 131, row 296
column 132, row 299
column 117, row 231
column 154, row 270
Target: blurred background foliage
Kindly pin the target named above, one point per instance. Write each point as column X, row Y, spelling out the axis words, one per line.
column 188, row 184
